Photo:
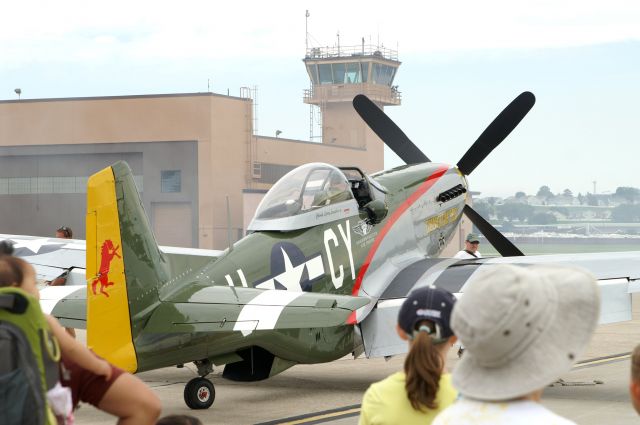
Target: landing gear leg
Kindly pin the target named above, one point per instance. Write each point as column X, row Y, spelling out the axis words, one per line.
column 199, row 393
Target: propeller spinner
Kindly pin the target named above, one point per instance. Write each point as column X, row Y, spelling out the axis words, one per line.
column 490, row 138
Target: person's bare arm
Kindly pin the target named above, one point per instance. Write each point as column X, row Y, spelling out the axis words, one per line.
column 60, row 280
column 77, row 352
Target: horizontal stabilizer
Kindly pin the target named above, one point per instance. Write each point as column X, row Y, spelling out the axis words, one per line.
column 226, row 309
column 67, row 303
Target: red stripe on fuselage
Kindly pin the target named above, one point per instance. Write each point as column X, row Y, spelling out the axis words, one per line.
column 426, row 185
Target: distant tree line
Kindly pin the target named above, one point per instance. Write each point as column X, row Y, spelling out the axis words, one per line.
column 522, row 212
column 514, row 212
column 630, row 194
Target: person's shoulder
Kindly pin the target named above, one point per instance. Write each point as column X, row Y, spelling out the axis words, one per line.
column 457, row 413
column 461, row 254
column 530, row 412
column 521, row 412
column 445, row 378
column 391, row 381
column 383, row 392
column 465, row 411
column 446, row 386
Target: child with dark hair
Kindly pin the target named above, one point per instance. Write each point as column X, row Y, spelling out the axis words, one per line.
column 16, row 272
column 424, row 389
column 90, row 378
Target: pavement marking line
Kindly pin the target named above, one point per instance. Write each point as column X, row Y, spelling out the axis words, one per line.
column 325, row 418
column 601, row 360
column 318, row 417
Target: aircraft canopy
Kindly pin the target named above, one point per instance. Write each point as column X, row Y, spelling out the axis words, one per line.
column 311, row 194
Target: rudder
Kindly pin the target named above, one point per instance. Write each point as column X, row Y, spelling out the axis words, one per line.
column 124, row 266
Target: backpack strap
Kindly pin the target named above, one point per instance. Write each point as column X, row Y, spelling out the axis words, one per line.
column 15, row 303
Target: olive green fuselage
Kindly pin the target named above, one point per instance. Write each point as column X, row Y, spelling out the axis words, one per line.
column 340, row 257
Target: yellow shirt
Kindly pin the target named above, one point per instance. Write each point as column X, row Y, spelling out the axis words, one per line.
column 386, row 402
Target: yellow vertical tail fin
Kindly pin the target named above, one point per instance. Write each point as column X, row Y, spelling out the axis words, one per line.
column 108, row 318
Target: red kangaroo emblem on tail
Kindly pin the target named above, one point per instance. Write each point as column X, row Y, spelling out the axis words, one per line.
column 106, row 256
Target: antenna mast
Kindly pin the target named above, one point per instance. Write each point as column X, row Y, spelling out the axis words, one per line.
column 306, row 30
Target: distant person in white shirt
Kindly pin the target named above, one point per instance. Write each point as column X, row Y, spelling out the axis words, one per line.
column 470, row 250
column 522, row 327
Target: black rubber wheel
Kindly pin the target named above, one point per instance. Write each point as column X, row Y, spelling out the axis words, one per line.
column 199, row 393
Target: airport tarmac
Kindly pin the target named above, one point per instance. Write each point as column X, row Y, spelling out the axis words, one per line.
column 331, row 393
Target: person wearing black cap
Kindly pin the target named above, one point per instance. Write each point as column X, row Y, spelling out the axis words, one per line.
column 418, row 394
column 471, row 243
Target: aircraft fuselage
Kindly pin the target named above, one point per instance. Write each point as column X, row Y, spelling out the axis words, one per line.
column 348, row 256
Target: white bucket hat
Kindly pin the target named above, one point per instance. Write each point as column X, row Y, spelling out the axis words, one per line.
column 522, row 328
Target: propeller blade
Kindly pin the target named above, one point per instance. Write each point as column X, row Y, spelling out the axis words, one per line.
column 496, row 132
column 388, row 131
column 503, row 245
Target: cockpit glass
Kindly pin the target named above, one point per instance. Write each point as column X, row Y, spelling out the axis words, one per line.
column 303, row 189
column 315, row 184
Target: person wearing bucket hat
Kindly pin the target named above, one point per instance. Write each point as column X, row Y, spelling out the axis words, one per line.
column 418, row 394
column 471, row 243
column 522, row 327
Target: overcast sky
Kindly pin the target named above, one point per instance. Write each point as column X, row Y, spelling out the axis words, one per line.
column 462, row 62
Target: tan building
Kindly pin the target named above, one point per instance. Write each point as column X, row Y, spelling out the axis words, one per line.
column 188, row 152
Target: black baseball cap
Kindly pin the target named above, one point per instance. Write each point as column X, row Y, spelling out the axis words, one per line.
column 428, row 303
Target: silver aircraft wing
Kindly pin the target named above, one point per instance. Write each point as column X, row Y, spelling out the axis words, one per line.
column 618, row 275
column 52, row 256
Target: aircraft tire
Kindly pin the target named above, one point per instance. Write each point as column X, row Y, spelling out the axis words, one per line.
column 199, row 393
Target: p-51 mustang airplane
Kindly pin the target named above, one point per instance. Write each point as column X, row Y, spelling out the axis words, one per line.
column 331, row 255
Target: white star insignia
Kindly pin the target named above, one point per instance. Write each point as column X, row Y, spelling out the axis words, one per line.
column 32, row 245
column 292, row 275
column 290, row 279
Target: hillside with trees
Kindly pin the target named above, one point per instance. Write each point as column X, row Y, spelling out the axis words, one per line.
column 562, row 211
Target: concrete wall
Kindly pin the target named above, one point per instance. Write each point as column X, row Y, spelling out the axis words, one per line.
column 55, row 192
column 277, row 150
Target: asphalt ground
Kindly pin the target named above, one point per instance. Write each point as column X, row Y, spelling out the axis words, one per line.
column 594, row 392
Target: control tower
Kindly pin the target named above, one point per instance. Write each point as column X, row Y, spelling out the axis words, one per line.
column 337, row 75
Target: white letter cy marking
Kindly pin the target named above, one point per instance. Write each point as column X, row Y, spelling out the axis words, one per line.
column 329, row 235
column 347, row 242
